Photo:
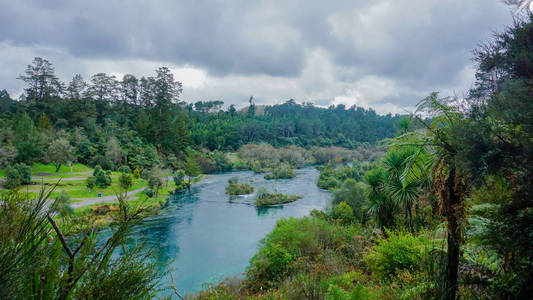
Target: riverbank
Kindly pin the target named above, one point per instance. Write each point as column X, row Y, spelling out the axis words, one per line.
column 96, row 203
column 205, row 235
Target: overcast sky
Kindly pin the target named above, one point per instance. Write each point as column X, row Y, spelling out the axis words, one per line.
column 385, row 54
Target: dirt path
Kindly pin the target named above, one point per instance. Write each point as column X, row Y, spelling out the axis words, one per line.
column 38, row 179
column 39, row 175
column 112, row 198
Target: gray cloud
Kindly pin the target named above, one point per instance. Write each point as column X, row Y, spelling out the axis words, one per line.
column 326, row 52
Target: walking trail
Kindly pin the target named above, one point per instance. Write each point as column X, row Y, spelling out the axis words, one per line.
column 106, row 199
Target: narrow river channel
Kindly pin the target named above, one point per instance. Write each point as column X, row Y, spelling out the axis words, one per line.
column 205, row 236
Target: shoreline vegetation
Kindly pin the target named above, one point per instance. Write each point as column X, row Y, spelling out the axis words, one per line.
column 283, row 171
column 234, row 188
column 266, row 199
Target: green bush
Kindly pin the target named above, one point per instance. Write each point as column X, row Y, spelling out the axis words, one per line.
column 332, row 177
column 61, row 204
column 398, row 252
column 179, row 177
column 91, row 182
column 284, row 171
column 234, row 188
column 270, row 265
column 102, row 179
column 17, row 175
column 13, row 178
column 264, row 198
column 126, row 181
column 256, row 167
column 353, row 195
column 348, row 286
column 97, row 169
column 297, row 241
column 25, row 173
column 149, row 192
column 124, row 169
column 332, row 183
column 154, row 181
column 343, row 213
column 222, row 163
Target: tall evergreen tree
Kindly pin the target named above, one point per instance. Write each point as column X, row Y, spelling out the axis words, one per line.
column 41, row 80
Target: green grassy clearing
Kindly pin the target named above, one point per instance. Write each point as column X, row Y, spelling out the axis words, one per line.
column 49, row 168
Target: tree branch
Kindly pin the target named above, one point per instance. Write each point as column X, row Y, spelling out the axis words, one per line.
column 61, row 237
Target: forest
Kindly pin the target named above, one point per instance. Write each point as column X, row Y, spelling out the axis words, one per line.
column 437, row 204
column 146, row 119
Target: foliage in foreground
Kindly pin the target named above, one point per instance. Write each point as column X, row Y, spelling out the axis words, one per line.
column 62, row 257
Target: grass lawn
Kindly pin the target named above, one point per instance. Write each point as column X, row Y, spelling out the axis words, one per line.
column 49, row 168
column 78, row 188
column 81, row 191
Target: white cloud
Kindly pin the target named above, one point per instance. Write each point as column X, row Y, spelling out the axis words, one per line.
column 385, row 54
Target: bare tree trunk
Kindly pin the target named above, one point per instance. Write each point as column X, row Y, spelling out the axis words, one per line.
column 451, row 195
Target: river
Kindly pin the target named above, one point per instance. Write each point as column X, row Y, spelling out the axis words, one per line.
column 204, row 236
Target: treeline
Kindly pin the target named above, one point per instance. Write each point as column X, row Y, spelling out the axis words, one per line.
column 110, row 122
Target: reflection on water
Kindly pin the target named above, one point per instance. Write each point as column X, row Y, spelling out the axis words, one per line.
column 205, row 235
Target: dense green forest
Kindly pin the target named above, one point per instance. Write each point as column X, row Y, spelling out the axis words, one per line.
column 445, row 213
column 147, row 121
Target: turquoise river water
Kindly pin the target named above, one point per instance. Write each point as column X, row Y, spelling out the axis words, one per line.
column 205, row 236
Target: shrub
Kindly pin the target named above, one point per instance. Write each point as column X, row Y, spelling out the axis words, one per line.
column 332, row 183
column 234, row 188
column 284, row 171
column 137, row 173
column 13, row 178
column 126, row 181
column 331, row 154
column 97, row 169
column 7, row 155
column 62, row 205
column 91, row 182
column 154, row 181
column 179, row 177
column 103, row 162
column 25, row 173
column 124, row 169
column 293, row 155
column 102, row 179
column 399, row 252
column 149, row 192
column 348, row 286
column 17, row 175
column 263, row 153
column 256, row 167
column 270, row 265
column 302, row 244
column 343, row 213
column 264, row 198
column 222, row 163
column 206, row 164
column 329, row 173
column 352, row 194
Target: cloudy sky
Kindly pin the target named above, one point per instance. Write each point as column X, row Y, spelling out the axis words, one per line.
column 385, row 54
